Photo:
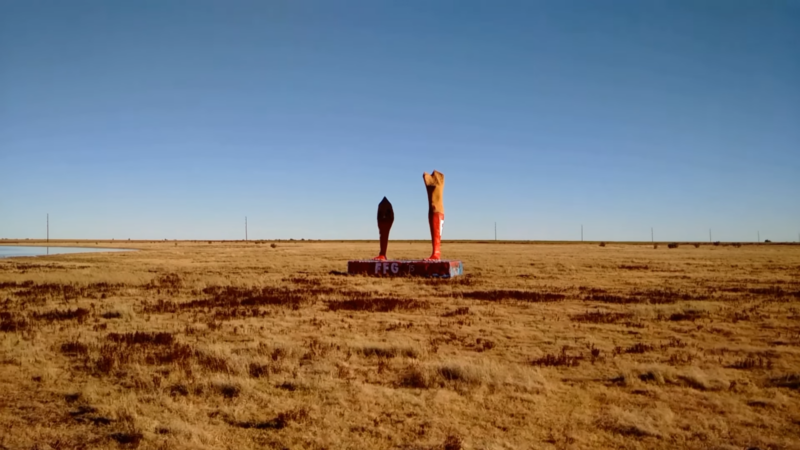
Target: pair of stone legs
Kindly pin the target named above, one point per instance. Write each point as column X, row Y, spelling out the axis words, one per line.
column 386, row 219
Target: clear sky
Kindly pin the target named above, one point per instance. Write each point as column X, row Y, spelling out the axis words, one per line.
column 156, row 119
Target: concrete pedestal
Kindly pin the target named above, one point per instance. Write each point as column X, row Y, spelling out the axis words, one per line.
column 398, row 268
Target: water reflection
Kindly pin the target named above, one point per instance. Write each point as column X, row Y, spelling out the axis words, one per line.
column 10, row 251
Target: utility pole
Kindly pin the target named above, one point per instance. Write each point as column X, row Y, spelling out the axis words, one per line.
column 581, row 233
column 652, row 239
column 495, row 231
column 709, row 235
column 245, row 228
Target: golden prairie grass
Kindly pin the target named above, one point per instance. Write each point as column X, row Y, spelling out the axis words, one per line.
column 246, row 345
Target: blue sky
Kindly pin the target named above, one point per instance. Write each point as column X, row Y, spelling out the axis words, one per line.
column 176, row 119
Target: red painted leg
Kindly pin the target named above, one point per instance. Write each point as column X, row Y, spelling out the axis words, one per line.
column 436, row 221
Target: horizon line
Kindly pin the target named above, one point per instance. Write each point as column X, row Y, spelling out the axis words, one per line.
column 475, row 241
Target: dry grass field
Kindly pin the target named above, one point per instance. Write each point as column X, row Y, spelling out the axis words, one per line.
column 193, row 345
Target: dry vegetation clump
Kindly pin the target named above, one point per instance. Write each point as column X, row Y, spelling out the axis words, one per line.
column 560, row 359
column 462, row 311
column 602, row 317
column 79, row 314
column 377, row 304
column 753, row 362
column 790, row 381
column 657, row 296
column 519, row 295
column 689, row 314
column 388, row 351
column 281, row 421
column 639, row 347
column 456, row 375
column 612, row 298
column 13, row 323
column 237, row 345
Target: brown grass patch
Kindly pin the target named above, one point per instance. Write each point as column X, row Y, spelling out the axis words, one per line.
column 562, row 359
column 457, row 312
column 12, row 323
column 753, row 362
column 639, row 348
column 791, row 381
column 378, row 305
column 518, row 295
column 79, row 314
column 392, row 351
column 281, row 421
column 142, row 338
column 601, row 317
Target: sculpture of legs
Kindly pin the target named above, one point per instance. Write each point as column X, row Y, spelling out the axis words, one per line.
column 434, row 184
column 385, row 221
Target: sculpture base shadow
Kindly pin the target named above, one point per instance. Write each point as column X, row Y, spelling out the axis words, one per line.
column 404, row 268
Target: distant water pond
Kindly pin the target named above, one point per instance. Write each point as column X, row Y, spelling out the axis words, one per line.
column 9, row 251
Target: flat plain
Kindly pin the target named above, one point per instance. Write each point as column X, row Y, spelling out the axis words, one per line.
column 253, row 345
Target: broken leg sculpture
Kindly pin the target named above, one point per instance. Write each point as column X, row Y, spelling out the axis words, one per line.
column 434, row 184
column 385, row 221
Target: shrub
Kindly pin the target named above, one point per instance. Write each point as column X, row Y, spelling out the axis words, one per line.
column 228, row 390
column 258, row 370
column 458, row 373
column 273, row 245
column 415, row 377
column 602, row 244
column 452, row 442
column 131, row 438
column 672, row 245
